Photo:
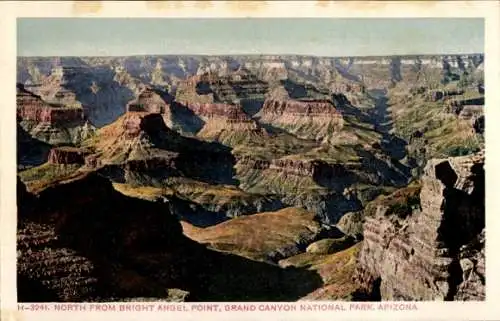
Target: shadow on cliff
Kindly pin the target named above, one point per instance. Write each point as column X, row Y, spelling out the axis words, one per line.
column 30, row 151
column 136, row 249
column 184, row 119
column 386, row 172
column 294, row 90
column 395, row 68
column 382, row 119
column 460, row 207
column 345, row 70
column 168, row 154
column 108, row 102
column 251, row 106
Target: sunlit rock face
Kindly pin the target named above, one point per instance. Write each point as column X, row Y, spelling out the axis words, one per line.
column 437, row 253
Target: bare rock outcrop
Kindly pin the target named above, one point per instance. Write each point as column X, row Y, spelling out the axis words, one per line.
column 308, row 119
column 230, row 112
column 211, row 87
column 316, row 169
column 31, row 107
column 435, row 252
column 140, row 145
column 67, row 155
column 151, row 101
column 60, row 123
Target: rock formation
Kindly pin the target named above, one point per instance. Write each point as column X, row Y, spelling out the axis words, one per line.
column 316, row 169
column 230, row 88
column 49, row 122
column 67, row 155
column 457, row 105
column 143, row 141
column 258, row 156
column 32, row 108
column 435, row 252
column 311, row 119
column 151, row 101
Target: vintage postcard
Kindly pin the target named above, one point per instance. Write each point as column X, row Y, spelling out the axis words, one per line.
column 278, row 160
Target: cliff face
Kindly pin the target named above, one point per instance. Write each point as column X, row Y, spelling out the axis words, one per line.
column 309, row 119
column 31, row 107
column 53, row 123
column 229, row 87
column 233, row 113
column 437, row 251
column 312, row 108
column 315, row 169
column 67, row 155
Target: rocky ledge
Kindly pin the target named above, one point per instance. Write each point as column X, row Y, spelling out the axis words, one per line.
column 308, row 119
column 67, row 155
column 316, row 169
column 230, row 112
column 311, row 108
column 56, row 123
column 434, row 251
column 31, row 107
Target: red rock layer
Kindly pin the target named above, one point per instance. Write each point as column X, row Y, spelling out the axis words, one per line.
column 232, row 113
column 300, row 108
column 133, row 124
column 66, row 155
column 31, row 107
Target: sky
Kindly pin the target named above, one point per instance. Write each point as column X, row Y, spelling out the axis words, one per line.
column 223, row 36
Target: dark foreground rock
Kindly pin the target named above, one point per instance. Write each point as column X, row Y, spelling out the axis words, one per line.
column 81, row 240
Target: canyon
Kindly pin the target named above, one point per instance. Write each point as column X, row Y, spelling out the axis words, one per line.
column 251, row 178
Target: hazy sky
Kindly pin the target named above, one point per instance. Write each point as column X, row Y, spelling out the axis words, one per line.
column 308, row 36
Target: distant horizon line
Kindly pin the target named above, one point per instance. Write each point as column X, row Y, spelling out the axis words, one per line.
column 255, row 54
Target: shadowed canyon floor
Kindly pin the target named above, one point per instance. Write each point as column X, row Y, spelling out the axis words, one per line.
column 250, row 178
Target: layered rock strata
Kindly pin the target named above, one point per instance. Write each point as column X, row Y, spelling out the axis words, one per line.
column 437, row 252
column 31, row 107
column 307, row 168
column 308, row 119
column 67, row 155
column 52, row 123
